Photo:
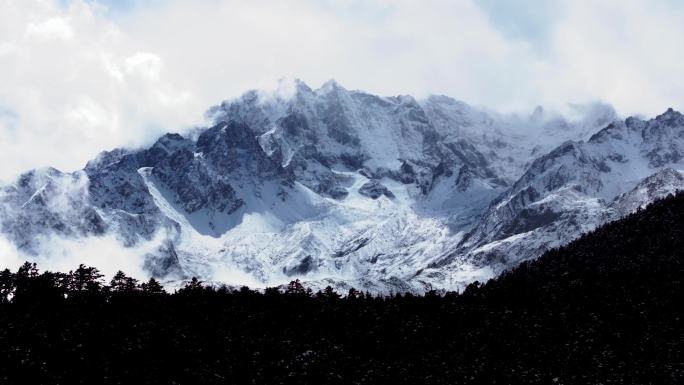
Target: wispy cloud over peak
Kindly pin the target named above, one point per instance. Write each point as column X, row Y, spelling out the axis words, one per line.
column 82, row 76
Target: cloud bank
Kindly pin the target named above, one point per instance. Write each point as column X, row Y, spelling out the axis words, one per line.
column 78, row 77
column 64, row 254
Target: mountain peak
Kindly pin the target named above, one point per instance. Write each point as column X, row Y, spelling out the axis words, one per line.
column 300, row 85
column 330, row 85
column 670, row 117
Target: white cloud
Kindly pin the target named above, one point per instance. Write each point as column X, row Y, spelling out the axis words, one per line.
column 76, row 81
column 9, row 256
column 146, row 65
column 64, row 254
column 73, row 85
column 104, row 252
column 624, row 52
column 55, row 28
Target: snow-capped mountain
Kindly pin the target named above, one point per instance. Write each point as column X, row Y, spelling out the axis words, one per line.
column 574, row 188
column 341, row 187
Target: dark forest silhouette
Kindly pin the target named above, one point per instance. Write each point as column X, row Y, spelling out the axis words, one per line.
column 606, row 308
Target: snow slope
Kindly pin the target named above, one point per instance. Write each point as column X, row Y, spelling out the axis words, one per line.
column 343, row 188
column 574, row 188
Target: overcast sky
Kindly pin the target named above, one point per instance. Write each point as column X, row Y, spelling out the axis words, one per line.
column 78, row 77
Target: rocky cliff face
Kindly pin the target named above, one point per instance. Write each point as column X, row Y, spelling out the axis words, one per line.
column 341, row 187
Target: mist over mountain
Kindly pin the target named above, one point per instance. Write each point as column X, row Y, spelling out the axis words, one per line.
column 344, row 188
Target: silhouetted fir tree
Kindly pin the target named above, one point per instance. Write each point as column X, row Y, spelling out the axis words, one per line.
column 7, row 285
column 121, row 283
column 23, row 280
column 328, row 294
column 152, row 286
column 193, row 286
column 85, row 278
column 296, row 288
